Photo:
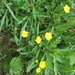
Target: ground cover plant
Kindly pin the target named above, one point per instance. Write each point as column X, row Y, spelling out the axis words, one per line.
column 37, row 37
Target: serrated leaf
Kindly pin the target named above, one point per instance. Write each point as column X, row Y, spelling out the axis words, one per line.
column 16, row 65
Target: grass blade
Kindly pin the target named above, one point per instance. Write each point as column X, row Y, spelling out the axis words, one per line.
column 11, row 12
column 2, row 21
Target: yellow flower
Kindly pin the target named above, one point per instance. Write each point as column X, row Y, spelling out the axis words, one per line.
column 38, row 40
column 66, row 8
column 42, row 64
column 36, row 61
column 38, row 70
column 48, row 36
column 24, row 34
column 15, row 29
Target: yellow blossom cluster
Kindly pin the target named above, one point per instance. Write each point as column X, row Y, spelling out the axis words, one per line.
column 42, row 65
column 48, row 37
column 38, row 39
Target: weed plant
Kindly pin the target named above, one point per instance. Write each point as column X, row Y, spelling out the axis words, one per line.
column 43, row 32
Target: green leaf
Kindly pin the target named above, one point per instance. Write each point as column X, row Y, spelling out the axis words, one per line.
column 16, row 40
column 23, row 19
column 38, row 29
column 34, row 13
column 55, row 42
column 55, row 65
column 11, row 12
column 8, row 74
column 7, row 62
column 72, row 59
column 64, row 26
column 12, row 40
column 30, row 66
column 2, row 21
column 16, row 65
column 47, row 71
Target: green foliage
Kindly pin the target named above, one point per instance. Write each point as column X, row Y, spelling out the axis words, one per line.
column 31, row 65
column 15, row 66
column 38, row 17
column 7, row 62
column 72, row 60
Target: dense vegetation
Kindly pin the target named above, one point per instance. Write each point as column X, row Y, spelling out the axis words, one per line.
column 37, row 37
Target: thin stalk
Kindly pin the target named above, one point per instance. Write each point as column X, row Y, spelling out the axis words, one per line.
column 55, row 69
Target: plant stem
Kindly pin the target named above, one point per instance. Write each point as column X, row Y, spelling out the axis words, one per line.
column 55, row 69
